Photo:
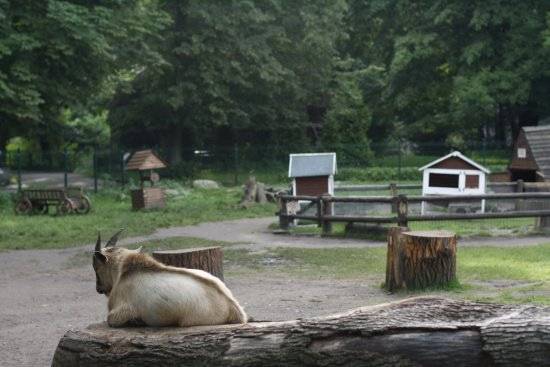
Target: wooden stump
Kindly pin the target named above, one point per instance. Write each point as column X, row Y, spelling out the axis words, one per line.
column 423, row 331
column 418, row 260
column 209, row 259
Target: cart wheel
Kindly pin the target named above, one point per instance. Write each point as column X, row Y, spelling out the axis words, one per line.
column 65, row 207
column 23, row 206
column 40, row 209
column 84, row 205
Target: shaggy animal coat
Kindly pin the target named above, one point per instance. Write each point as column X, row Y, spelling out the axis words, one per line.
column 143, row 290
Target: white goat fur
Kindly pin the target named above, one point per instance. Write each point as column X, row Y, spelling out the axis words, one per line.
column 140, row 288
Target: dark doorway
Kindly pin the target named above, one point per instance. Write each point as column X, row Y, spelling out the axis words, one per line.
column 527, row 175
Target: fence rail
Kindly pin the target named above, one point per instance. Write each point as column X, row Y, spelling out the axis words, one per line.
column 400, row 214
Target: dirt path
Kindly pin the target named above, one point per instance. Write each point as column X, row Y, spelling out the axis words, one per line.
column 254, row 234
column 46, row 292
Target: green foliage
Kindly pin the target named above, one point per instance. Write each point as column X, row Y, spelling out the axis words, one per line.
column 59, row 53
column 453, row 67
column 247, row 76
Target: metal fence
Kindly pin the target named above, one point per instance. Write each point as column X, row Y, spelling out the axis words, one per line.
column 379, row 162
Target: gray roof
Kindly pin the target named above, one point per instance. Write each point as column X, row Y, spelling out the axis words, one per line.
column 538, row 138
column 312, row 164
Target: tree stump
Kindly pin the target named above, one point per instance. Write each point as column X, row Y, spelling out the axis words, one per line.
column 420, row 259
column 423, row 331
column 209, row 259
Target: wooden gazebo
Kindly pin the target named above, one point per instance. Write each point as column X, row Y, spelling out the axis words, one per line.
column 145, row 162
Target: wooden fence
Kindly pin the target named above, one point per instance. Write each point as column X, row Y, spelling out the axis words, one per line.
column 289, row 208
column 394, row 188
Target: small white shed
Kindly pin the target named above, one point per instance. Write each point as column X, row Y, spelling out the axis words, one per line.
column 454, row 174
column 312, row 173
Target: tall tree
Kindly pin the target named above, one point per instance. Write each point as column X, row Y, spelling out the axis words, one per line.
column 58, row 53
column 237, row 71
column 473, row 68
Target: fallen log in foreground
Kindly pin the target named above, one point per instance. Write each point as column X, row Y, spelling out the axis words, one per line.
column 423, row 331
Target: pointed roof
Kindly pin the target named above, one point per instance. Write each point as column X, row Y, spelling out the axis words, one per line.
column 312, row 164
column 456, row 154
column 538, row 138
column 144, row 160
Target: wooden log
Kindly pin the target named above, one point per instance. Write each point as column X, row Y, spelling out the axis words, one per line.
column 250, row 189
column 260, row 193
column 426, row 258
column 423, row 331
column 209, row 259
column 393, row 258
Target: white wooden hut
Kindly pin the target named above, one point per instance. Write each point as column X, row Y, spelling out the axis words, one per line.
column 454, row 174
column 312, row 173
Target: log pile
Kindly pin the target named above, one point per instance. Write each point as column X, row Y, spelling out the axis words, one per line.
column 257, row 192
column 424, row 331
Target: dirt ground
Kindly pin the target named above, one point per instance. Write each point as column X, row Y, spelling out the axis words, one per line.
column 47, row 292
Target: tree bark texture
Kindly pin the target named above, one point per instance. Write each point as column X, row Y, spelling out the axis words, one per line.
column 420, row 259
column 422, row 331
column 209, row 259
column 254, row 192
column 393, row 275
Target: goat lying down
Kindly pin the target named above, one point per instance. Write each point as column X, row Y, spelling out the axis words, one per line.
column 142, row 290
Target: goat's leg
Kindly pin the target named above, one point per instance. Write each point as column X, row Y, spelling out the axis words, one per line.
column 121, row 315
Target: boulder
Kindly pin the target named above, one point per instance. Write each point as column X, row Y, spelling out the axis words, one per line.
column 205, row 184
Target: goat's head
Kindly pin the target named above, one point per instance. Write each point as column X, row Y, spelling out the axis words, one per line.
column 105, row 263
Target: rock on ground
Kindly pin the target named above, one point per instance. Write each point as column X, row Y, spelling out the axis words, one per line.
column 205, row 184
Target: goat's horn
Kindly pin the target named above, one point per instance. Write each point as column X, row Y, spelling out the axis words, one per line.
column 98, row 243
column 114, row 239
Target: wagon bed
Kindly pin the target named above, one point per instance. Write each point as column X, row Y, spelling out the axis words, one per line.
column 66, row 201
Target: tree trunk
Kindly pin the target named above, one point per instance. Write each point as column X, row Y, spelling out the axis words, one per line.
column 260, row 193
column 176, row 144
column 209, row 259
column 422, row 331
column 250, row 188
column 393, row 276
column 418, row 260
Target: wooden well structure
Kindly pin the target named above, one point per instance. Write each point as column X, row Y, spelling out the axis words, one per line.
column 145, row 162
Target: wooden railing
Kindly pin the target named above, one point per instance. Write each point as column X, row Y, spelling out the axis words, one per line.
column 400, row 208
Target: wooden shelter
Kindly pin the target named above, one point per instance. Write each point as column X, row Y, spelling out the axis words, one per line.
column 531, row 160
column 145, row 162
column 312, row 173
column 454, row 174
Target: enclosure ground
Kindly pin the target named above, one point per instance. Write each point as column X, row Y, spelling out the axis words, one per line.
column 275, row 277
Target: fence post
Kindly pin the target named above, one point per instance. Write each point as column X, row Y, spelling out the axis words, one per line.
column 94, row 163
column 327, row 211
column 65, row 168
column 520, row 187
column 399, row 161
column 283, row 214
column 393, row 194
column 18, row 158
column 402, row 210
column 236, row 164
column 122, row 178
column 319, row 212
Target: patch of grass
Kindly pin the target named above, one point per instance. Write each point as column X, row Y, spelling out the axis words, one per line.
column 112, row 210
column 519, row 274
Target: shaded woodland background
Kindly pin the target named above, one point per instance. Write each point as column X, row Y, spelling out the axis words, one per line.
column 220, row 78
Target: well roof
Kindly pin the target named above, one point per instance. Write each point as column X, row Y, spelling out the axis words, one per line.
column 538, row 138
column 145, row 160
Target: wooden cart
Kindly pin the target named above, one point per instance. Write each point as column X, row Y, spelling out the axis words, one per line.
column 66, row 201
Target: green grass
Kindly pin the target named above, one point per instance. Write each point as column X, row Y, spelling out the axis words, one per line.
column 518, row 274
column 112, row 210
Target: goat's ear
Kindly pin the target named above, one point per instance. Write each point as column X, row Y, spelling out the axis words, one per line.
column 100, row 257
column 112, row 242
